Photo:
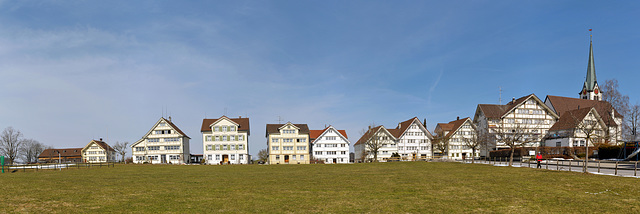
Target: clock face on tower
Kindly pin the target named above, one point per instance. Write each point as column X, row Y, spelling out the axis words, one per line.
column 584, row 91
column 596, row 91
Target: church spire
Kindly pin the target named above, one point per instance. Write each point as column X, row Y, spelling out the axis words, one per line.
column 591, row 81
column 590, row 88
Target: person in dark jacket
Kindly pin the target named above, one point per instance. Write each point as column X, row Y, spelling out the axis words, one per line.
column 538, row 159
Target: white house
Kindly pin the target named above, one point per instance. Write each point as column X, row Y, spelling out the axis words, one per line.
column 572, row 128
column 413, row 140
column 226, row 140
column 528, row 115
column 98, row 151
column 330, row 145
column 164, row 143
column 456, row 132
column 379, row 137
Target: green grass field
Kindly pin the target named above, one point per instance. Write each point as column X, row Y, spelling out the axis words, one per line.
column 409, row 187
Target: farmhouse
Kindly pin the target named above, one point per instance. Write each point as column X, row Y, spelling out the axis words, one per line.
column 163, row 143
column 330, row 145
column 288, row 143
column 455, row 133
column 64, row 155
column 226, row 140
column 97, row 151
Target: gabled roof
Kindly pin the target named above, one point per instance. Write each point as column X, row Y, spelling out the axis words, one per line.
column 371, row 132
column 492, row 111
column 243, row 123
column 69, row 152
column 563, row 104
column 453, row 126
column 404, row 125
column 100, row 143
column 316, row 134
column 275, row 128
column 571, row 119
column 162, row 119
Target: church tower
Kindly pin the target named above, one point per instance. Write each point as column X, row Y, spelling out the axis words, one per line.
column 590, row 89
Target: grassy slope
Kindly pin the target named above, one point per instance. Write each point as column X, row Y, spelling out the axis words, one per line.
column 415, row 187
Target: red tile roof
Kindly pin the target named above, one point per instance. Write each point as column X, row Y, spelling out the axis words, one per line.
column 314, row 134
column 69, row 152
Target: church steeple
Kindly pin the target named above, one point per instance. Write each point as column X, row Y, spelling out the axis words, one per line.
column 590, row 89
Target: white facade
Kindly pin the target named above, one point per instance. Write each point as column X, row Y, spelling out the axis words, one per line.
column 415, row 142
column 384, row 137
column 331, row 147
column 98, row 152
column 574, row 135
column 164, row 143
column 461, row 130
column 226, row 141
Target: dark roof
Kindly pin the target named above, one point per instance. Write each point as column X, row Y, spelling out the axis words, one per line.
column 243, row 123
column 69, row 152
column 365, row 137
column 492, row 111
column 103, row 145
column 563, row 104
column 452, row 126
column 570, row 119
column 273, row 128
column 175, row 127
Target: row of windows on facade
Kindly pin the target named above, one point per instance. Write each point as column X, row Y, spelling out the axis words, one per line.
column 530, row 111
column 331, row 145
column 329, row 152
column 412, row 148
column 155, row 148
column 225, row 147
column 224, row 138
column 224, row 128
column 413, row 141
column 457, row 155
column 288, row 148
column 523, row 121
column 231, row 157
column 288, row 140
column 288, row 131
column 155, row 157
column 414, row 134
column 93, row 152
column 173, row 139
column 95, row 158
column 163, row 132
column 293, row 157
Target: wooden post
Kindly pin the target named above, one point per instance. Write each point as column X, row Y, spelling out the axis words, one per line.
column 569, row 165
column 546, row 164
column 616, row 168
column 635, row 169
column 598, row 166
column 557, row 166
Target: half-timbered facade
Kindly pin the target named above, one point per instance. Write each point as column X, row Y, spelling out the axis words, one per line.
column 413, row 140
column 576, row 128
column 456, row 132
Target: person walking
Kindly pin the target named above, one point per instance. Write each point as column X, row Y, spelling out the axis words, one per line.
column 538, row 159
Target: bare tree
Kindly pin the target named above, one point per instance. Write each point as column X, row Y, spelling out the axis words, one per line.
column 31, row 149
column 374, row 141
column 618, row 101
column 634, row 121
column 263, row 155
column 587, row 126
column 477, row 140
column 441, row 143
column 514, row 135
column 10, row 143
column 121, row 148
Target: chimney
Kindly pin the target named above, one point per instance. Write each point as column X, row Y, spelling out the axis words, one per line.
column 169, row 118
column 240, row 116
column 458, row 118
column 100, row 139
column 513, row 100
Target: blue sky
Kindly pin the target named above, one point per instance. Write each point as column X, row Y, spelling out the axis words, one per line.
column 74, row 71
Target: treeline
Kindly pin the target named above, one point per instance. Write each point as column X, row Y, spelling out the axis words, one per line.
column 14, row 146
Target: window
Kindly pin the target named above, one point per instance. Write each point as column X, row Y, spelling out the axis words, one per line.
column 318, row 152
column 343, row 152
column 232, row 128
column 330, row 138
column 217, row 146
column 151, row 140
column 173, row 147
column 344, row 145
column 139, row 158
column 209, row 147
column 293, row 157
column 139, row 149
column 287, row 140
column 331, row 152
column 153, row 157
column 233, row 147
column 151, row 148
column 240, row 146
column 209, row 138
column 217, row 138
column 274, row 140
column 331, row 145
column 275, row 148
column 224, row 147
column 277, row 157
column 301, row 157
column 302, row 148
column 287, row 148
column 302, row 140
column 233, row 157
column 162, row 124
column 224, row 128
column 175, row 139
column 216, row 129
column 224, row 138
column 218, row 157
column 241, row 157
column 240, row 137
